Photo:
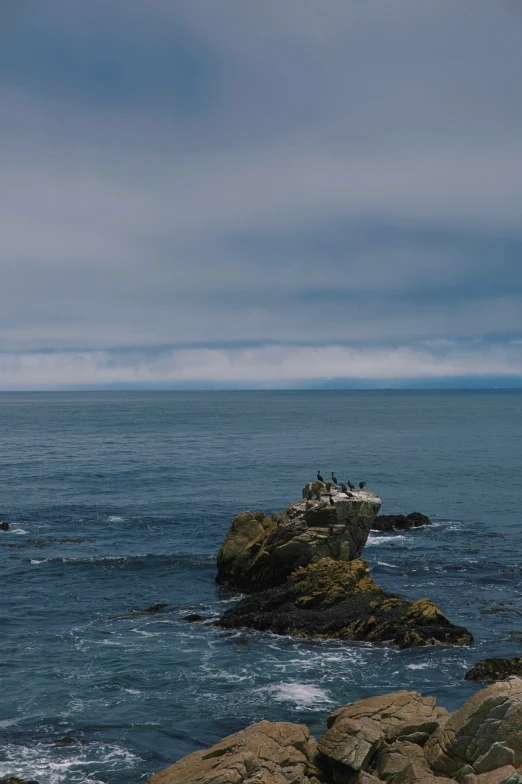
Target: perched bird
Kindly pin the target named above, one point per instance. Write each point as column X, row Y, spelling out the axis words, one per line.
column 319, row 477
column 334, row 478
column 344, row 488
column 362, row 485
column 352, row 487
column 331, row 500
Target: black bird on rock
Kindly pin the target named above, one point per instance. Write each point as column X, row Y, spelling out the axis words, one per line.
column 352, row 487
column 334, row 478
column 319, row 477
column 362, row 485
column 344, row 488
column 331, row 500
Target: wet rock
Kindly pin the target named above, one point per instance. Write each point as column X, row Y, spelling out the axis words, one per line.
column 485, row 734
column 67, row 741
column 496, row 669
column 261, row 552
column 338, row 599
column 156, row 608
column 400, row 522
column 4, row 526
column 193, row 618
column 14, row 780
column 265, row 753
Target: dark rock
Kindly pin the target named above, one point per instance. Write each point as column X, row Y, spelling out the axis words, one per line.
column 65, row 741
column 14, row 780
column 400, row 522
column 156, row 608
column 338, row 599
column 4, row 526
column 496, row 669
column 261, row 552
column 193, row 618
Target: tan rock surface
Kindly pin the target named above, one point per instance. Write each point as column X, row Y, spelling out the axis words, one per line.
column 265, row 753
column 486, row 733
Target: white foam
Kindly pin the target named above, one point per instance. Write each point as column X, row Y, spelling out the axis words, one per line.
column 19, row 531
column 39, row 561
column 390, row 566
column 422, row 666
column 374, row 540
column 303, row 695
column 115, row 519
column 58, row 766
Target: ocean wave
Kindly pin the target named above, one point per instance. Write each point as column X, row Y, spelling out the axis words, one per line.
column 75, row 764
column 375, row 539
column 302, row 695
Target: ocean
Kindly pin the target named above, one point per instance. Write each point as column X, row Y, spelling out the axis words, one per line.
column 120, row 500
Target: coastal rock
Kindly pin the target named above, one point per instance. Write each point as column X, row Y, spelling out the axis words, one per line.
column 376, row 733
column 338, row 599
column 4, row 526
column 261, row 552
column 496, row 669
column 265, row 753
column 400, row 522
column 485, row 734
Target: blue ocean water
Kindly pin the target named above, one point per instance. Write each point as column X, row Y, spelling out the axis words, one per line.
column 151, row 481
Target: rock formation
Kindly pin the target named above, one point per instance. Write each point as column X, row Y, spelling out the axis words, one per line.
column 495, row 669
column 398, row 738
column 484, row 735
column 337, row 599
column 261, row 552
column 265, row 753
column 400, row 522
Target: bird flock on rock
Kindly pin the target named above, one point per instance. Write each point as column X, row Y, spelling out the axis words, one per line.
column 344, row 487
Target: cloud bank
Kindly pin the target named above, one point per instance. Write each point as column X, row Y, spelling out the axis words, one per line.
column 268, row 193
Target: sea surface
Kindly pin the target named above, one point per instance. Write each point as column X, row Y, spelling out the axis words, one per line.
column 117, row 501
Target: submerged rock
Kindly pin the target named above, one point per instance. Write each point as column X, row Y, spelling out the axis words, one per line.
column 400, row 522
column 496, row 669
column 4, row 526
column 265, row 753
column 261, row 552
column 338, row 599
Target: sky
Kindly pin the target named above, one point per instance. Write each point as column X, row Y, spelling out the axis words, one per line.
column 260, row 193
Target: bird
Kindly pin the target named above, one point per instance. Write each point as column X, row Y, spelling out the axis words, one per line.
column 331, row 500
column 334, row 478
column 344, row 488
column 352, row 487
column 362, row 485
column 319, row 477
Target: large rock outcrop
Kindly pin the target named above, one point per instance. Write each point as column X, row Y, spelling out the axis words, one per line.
column 337, row 599
column 397, row 738
column 485, row 734
column 261, row 552
column 265, row 753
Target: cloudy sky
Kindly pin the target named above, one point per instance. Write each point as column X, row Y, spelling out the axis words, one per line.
column 268, row 193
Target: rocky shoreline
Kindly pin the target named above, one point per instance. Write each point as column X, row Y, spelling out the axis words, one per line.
column 304, row 576
column 397, row 738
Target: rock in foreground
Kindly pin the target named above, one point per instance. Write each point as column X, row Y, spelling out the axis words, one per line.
column 496, row 669
column 261, row 552
column 400, row 522
column 399, row 738
column 265, row 753
column 337, row 599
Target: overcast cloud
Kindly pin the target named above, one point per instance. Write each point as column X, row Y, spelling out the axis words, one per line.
column 274, row 193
